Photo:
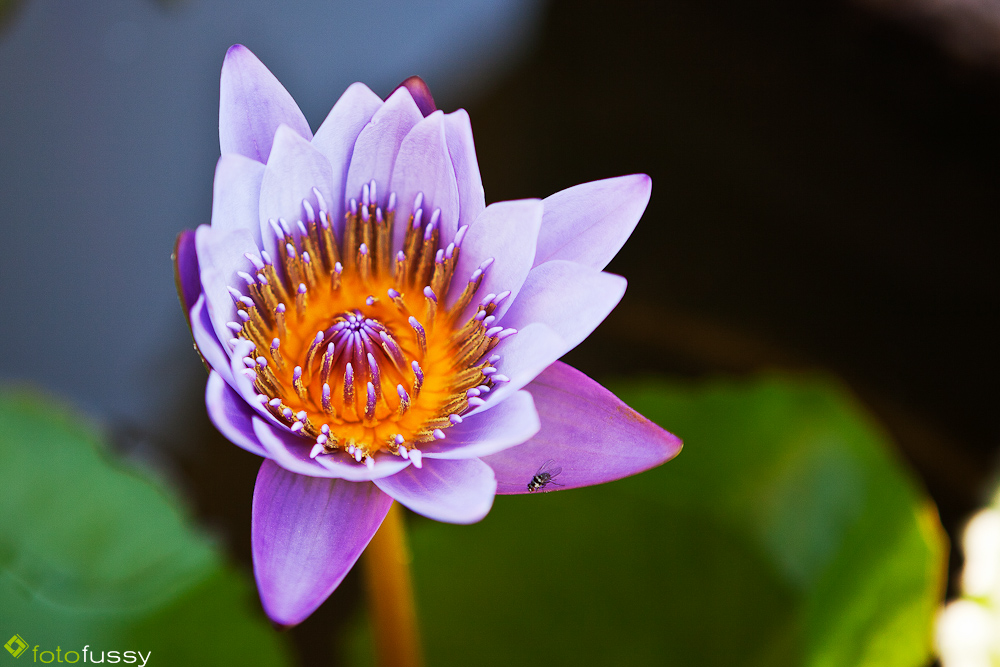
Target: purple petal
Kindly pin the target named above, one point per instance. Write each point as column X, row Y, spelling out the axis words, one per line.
column 231, row 414
column 586, row 431
column 221, row 255
column 522, row 358
column 571, row 298
column 186, row 271
column 236, row 194
column 378, row 144
column 510, row 423
column 291, row 452
column 451, row 491
column 424, row 165
column 293, row 170
column 462, row 148
column 209, row 347
column 336, row 137
column 589, row 223
column 421, row 94
column 506, row 232
column 306, row 535
column 252, row 104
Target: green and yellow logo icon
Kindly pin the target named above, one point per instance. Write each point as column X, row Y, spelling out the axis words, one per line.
column 16, row 645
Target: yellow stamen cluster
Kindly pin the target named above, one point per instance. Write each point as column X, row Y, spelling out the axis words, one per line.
column 356, row 348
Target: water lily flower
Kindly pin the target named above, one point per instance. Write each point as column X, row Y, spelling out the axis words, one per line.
column 376, row 332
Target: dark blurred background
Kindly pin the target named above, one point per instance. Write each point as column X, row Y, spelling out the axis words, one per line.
column 826, row 190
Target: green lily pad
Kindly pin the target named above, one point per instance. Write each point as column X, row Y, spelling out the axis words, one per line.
column 95, row 554
column 786, row 532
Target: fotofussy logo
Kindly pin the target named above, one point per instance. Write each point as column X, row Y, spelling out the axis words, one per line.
column 16, row 646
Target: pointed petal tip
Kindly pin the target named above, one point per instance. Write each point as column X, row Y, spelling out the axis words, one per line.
column 421, row 94
column 674, row 448
column 644, row 185
column 590, row 222
column 252, row 103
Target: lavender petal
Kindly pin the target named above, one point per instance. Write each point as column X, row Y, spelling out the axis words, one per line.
column 506, row 231
column 221, row 256
column 570, row 298
column 378, row 144
column 231, row 414
column 589, row 223
column 522, row 357
column 252, row 104
column 462, row 149
column 209, row 347
column 336, row 137
column 293, row 170
column 587, row 431
column 306, row 535
column 292, row 451
column 451, row 491
column 510, row 423
column 424, row 165
column 236, row 195
column 186, row 271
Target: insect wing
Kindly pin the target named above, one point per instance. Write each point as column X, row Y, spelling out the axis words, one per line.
column 545, row 467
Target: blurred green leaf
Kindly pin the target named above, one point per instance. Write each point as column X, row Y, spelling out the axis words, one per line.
column 92, row 553
column 785, row 533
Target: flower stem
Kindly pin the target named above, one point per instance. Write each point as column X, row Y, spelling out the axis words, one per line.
column 390, row 595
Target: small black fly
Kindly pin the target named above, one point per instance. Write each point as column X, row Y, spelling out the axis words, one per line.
column 544, row 477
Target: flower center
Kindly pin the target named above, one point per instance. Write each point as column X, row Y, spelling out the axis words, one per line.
column 356, row 348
